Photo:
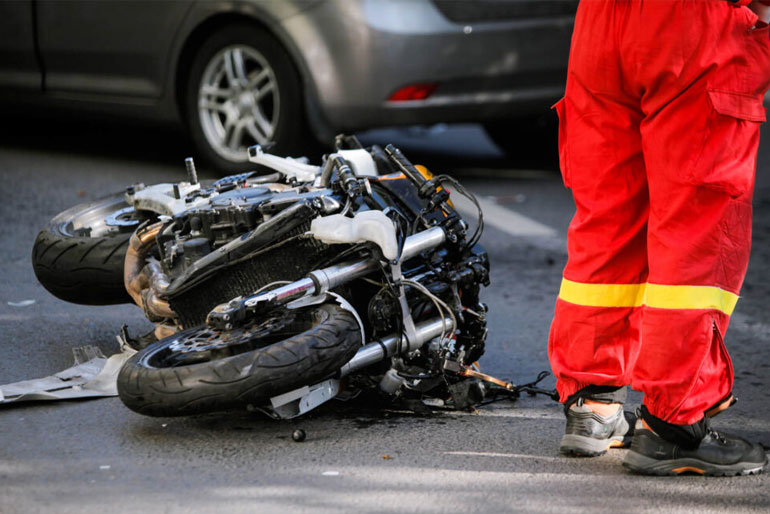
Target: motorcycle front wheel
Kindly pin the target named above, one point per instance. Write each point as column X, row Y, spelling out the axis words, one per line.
column 203, row 370
column 79, row 255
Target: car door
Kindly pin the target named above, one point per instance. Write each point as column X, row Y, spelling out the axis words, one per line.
column 19, row 67
column 108, row 47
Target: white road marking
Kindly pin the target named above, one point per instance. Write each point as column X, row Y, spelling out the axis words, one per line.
column 503, row 455
column 502, row 218
column 514, row 412
column 23, row 303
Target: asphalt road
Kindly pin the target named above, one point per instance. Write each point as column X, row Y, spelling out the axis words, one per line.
column 97, row 456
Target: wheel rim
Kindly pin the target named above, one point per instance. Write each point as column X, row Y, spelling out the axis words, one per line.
column 238, row 102
column 98, row 219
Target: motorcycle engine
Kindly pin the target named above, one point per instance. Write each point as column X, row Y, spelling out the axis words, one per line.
column 202, row 233
column 195, row 233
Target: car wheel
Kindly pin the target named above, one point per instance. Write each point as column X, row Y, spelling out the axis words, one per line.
column 243, row 90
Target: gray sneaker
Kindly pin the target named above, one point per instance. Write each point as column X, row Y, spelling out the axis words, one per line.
column 718, row 454
column 588, row 434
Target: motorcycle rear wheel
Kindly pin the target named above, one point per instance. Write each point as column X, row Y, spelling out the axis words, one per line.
column 79, row 255
column 197, row 371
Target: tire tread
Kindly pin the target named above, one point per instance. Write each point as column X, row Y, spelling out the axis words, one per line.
column 301, row 359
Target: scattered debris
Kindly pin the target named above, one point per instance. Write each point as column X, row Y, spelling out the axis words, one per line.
column 331, row 473
column 298, row 435
column 386, row 457
column 93, row 375
column 23, row 303
column 104, row 467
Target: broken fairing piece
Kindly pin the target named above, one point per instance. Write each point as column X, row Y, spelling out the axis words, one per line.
column 372, row 226
column 292, row 168
column 295, row 403
column 90, row 378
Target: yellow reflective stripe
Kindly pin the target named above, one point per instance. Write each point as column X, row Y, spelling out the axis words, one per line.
column 690, row 297
column 602, row 295
column 653, row 295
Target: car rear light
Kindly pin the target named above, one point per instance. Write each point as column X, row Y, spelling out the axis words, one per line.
column 413, row 92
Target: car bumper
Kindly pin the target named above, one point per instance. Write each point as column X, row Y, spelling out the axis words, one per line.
column 358, row 53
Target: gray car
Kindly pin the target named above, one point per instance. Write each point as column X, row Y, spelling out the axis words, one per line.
column 240, row 72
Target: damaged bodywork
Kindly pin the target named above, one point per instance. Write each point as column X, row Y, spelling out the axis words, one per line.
column 283, row 287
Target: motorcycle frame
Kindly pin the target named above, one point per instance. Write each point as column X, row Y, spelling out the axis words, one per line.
column 314, row 288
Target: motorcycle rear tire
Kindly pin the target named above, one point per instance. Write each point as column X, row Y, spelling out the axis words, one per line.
column 80, row 267
column 150, row 385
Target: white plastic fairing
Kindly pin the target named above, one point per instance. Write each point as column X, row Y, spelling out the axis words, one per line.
column 360, row 161
column 160, row 198
column 286, row 165
column 372, row 226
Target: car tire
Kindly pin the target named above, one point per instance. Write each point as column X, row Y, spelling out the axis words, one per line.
column 243, row 89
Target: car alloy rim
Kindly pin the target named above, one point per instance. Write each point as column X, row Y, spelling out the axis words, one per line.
column 238, row 101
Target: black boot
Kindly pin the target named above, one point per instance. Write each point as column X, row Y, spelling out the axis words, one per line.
column 716, row 454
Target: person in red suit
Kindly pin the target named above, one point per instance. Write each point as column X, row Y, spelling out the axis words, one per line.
column 658, row 136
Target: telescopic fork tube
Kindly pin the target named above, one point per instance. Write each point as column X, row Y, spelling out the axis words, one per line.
column 320, row 281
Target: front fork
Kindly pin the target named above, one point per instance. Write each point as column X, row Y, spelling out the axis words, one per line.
column 225, row 316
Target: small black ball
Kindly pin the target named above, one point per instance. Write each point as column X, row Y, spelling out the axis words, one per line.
column 298, row 435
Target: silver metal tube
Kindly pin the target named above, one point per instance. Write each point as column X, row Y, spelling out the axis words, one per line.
column 192, row 175
column 379, row 350
column 333, row 276
column 283, row 294
column 422, row 241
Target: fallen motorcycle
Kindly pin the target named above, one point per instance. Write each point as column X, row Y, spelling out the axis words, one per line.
column 282, row 288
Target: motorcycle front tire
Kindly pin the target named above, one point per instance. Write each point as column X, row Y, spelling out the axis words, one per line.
column 78, row 258
column 154, row 383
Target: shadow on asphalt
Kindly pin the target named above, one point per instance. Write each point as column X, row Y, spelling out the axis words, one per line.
column 459, row 149
column 96, row 136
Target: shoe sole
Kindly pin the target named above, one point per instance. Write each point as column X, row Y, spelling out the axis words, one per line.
column 642, row 464
column 582, row 446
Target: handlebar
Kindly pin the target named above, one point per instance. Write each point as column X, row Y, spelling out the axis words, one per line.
column 406, row 167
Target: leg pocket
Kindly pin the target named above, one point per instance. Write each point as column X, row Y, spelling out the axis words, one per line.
column 728, row 157
column 563, row 147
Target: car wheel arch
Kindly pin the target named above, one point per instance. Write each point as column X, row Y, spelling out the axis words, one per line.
column 196, row 37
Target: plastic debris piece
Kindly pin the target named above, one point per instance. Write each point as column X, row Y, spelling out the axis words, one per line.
column 104, row 467
column 331, row 473
column 386, row 457
column 22, row 303
column 93, row 375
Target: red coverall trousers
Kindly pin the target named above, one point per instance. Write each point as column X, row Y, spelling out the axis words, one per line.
column 659, row 129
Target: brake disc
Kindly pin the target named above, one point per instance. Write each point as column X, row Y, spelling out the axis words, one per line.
column 204, row 338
